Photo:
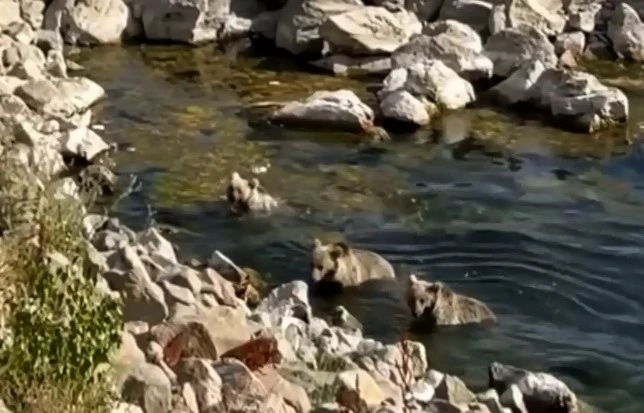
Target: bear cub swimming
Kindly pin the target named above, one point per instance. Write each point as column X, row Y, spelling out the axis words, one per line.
column 246, row 196
column 435, row 304
column 340, row 264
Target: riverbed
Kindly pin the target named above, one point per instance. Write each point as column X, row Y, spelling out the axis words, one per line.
column 546, row 227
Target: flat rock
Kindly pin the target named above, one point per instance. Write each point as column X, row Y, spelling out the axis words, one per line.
column 84, row 143
column 340, row 109
column 369, row 30
column 60, row 97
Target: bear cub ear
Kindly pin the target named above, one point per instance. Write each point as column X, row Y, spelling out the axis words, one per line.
column 339, row 249
column 317, row 243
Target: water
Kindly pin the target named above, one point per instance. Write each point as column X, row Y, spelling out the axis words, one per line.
column 544, row 226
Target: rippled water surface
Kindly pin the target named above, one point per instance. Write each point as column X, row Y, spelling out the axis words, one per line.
column 544, row 226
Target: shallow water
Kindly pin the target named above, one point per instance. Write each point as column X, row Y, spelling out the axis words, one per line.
column 544, row 226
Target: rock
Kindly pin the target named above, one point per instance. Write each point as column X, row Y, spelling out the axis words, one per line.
column 598, row 46
column 203, row 380
column 626, row 32
column 497, row 20
column 143, row 299
column 300, row 20
column 32, row 12
column 426, row 10
column 182, row 21
column 580, row 100
column 541, row 391
column 546, row 16
column 473, row 13
column 10, row 13
column 241, row 390
column 157, row 247
column 147, row 386
column 8, row 85
column 422, row 391
column 582, row 16
column 357, row 390
column 222, row 289
column 293, row 394
column 345, row 65
column 83, row 143
column 452, row 389
column 518, row 87
column 490, row 398
column 369, row 30
column 90, row 22
column 402, row 106
column 575, row 42
column 48, row 40
column 513, row 398
column 509, row 49
column 121, row 407
column 440, row 84
column 340, row 109
column 455, row 44
column 60, row 97
column 55, row 64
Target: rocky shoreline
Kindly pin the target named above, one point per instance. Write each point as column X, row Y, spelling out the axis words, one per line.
column 191, row 340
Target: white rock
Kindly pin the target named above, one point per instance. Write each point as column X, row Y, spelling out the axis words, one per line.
column 89, row 22
column 402, row 106
column 369, row 30
column 544, row 15
column 340, row 109
column 575, row 42
column 518, row 87
column 83, row 142
column 60, row 97
column 440, row 84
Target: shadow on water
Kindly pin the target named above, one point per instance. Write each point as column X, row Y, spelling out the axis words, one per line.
column 545, row 226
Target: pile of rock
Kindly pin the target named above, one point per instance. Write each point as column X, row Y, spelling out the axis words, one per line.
column 191, row 345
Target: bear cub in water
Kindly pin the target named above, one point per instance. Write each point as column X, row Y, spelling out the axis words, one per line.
column 435, row 304
column 340, row 264
column 246, row 196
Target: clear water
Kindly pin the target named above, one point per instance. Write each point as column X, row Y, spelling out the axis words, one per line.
column 544, row 226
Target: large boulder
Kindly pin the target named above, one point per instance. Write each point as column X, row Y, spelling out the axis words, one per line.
column 454, row 43
column 89, row 22
column 580, row 100
column 626, row 32
column 369, row 30
column 300, row 21
column 509, row 49
column 404, row 107
column 544, row 15
column 340, row 109
column 518, row 87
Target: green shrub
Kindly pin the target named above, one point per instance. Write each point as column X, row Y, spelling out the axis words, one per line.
column 57, row 327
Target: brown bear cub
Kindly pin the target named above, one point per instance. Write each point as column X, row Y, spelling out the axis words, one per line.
column 435, row 304
column 349, row 267
column 246, row 196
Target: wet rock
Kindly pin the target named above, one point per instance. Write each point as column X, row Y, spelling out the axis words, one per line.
column 369, row 30
column 300, row 21
column 90, row 22
column 60, row 97
column 626, row 32
column 473, row 13
column 518, row 87
column 435, row 304
column 509, row 49
column 345, row 65
column 357, row 390
column 580, row 100
column 340, row 109
column 148, row 386
column 541, row 392
column 83, row 143
column 455, row 44
column 575, row 42
column 546, row 16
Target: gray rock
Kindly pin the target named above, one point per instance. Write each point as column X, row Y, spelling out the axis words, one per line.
column 452, row 389
column 148, row 387
column 497, row 19
column 176, row 294
column 9, row 84
column 438, row 83
column 402, row 106
column 339, row 109
column 241, row 390
column 32, row 12
column 84, row 143
column 90, row 22
column 10, row 13
column 345, row 65
column 509, row 49
column 357, row 390
column 47, row 40
column 121, row 407
column 490, row 398
column 518, row 87
column 582, row 16
column 580, row 100
column 203, row 380
column 157, row 247
column 300, row 20
column 369, row 30
column 626, row 32
column 55, row 64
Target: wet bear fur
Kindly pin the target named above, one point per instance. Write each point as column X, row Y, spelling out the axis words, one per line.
column 339, row 264
column 435, row 304
column 245, row 196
